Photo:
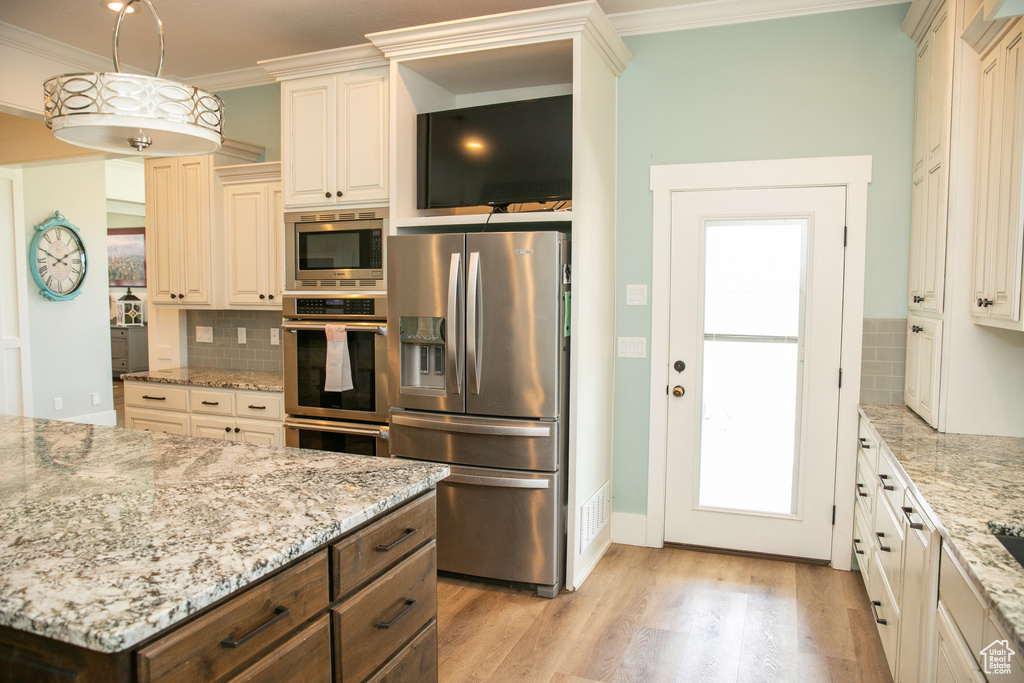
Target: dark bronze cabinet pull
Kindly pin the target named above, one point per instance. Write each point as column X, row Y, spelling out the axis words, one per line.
column 409, row 604
column 409, row 532
column 280, row 612
column 864, row 443
column 211, row 403
column 878, row 619
column 907, row 510
column 884, row 548
column 856, row 542
column 887, row 487
column 257, row 407
column 154, row 398
column 861, row 493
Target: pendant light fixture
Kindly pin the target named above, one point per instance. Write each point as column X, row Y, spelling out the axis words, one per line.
column 131, row 113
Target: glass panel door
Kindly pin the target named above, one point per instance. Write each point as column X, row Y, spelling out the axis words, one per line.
column 754, row 296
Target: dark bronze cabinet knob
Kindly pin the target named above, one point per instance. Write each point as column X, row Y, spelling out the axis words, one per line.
column 175, row 296
column 262, row 297
column 327, row 194
column 227, row 429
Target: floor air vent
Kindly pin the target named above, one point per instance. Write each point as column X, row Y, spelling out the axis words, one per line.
column 594, row 515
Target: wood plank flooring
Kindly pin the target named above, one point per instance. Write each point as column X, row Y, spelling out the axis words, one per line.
column 666, row 614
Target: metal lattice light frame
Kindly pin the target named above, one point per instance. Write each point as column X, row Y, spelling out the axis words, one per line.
column 133, row 113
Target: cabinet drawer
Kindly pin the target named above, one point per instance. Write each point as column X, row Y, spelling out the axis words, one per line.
column 119, row 364
column 156, row 395
column 118, row 348
column 965, row 606
column 157, row 421
column 213, row 402
column 890, row 484
column 885, row 614
column 887, row 538
column 868, row 445
column 370, row 551
column 266, row 405
column 118, row 333
column 867, row 486
column 306, row 657
column 375, row 622
column 202, row 650
column 863, row 543
column 414, row 663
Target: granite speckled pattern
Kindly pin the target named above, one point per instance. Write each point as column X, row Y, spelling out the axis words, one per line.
column 967, row 481
column 111, row 535
column 249, row 380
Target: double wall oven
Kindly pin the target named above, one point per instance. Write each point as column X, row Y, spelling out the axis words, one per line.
column 352, row 421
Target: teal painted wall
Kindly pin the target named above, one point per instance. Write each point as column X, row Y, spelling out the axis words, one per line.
column 254, row 115
column 832, row 84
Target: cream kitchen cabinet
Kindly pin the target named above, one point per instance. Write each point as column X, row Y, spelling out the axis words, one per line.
column 178, row 194
column 999, row 234
column 335, row 139
column 931, row 161
column 920, row 559
column 253, row 235
column 924, row 360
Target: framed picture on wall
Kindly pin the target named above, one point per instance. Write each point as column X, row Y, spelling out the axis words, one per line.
column 126, row 257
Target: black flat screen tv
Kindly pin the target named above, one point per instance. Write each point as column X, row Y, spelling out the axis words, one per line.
column 497, row 154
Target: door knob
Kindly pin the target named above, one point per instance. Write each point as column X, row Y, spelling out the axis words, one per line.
column 678, row 391
column 679, row 366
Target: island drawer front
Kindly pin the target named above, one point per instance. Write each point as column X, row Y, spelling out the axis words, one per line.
column 305, row 657
column 414, row 663
column 890, row 483
column 197, row 651
column 213, row 402
column 371, row 550
column 965, row 606
column 155, row 395
column 264, row 405
column 887, row 539
column 375, row 622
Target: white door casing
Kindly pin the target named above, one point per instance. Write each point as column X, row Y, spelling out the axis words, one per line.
column 854, row 173
column 15, row 365
column 735, row 493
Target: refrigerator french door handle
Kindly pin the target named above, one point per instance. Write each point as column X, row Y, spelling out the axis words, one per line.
column 473, row 325
column 497, row 482
column 452, row 343
column 400, row 418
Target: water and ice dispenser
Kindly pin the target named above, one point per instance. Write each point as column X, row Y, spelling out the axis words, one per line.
column 423, row 352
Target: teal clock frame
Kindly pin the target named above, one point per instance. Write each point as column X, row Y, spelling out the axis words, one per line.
column 33, row 266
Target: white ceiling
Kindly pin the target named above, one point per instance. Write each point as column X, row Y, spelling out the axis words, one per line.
column 206, row 37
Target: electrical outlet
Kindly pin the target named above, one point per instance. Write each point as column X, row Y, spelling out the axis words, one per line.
column 632, row 347
column 58, row 404
column 95, row 398
column 275, row 336
column 204, row 335
column 636, row 295
column 241, row 335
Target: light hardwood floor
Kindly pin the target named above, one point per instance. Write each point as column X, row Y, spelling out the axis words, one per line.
column 666, row 614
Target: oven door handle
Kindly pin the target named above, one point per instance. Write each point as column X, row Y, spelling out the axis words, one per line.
column 337, row 427
column 294, row 326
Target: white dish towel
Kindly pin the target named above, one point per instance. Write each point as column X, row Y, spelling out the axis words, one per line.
column 339, row 366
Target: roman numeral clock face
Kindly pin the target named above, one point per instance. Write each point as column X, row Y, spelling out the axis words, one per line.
column 58, row 260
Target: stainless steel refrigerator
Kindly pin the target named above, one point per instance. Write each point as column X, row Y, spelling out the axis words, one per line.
column 477, row 369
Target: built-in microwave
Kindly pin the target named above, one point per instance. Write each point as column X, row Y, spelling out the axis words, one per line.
column 335, row 250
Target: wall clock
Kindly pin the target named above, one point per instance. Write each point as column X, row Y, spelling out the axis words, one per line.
column 57, row 259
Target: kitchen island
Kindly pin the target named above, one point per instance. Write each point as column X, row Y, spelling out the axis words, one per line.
column 115, row 542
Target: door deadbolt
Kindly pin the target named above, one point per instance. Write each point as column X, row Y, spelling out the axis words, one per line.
column 679, row 366
column 678, row 391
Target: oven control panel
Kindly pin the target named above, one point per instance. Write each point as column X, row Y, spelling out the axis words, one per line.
column 340, row 306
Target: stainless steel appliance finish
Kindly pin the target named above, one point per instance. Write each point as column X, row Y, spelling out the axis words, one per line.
column 335, row 250
column 477, row 371
column 337, row 436
column 305, row 356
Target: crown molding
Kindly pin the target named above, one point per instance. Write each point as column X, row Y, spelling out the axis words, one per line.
column 723, row 12
column 249, row 173
column 232, row 80
column 325, row 62
column 510, row 28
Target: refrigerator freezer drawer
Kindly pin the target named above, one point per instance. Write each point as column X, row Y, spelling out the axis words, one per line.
column 500, row 524
column 480, row 441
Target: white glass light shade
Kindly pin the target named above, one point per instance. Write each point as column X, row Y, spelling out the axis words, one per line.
column 113, row 112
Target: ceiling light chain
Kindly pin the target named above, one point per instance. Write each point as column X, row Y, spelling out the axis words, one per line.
column 131, row 113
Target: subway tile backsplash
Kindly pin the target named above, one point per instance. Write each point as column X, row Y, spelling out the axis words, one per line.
column 225, row 351
column 883, row 360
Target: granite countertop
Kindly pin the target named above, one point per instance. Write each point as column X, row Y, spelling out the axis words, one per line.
column 967, row 481
column 112, row 535
column 251, row 380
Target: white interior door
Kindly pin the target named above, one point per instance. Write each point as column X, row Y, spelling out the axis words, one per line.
column 755, row 342
column 15, row 375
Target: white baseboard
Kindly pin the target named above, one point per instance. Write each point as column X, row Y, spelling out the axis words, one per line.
column 107, row 418
column 629, row 528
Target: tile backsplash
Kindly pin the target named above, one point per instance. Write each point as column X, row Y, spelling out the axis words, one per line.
column 225, row 351
column 883, row 361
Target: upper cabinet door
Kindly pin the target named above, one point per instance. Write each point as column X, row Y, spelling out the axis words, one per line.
column 363, row 137
column 194, row 230
column 161, row 230
column 309, row 145
column 247, row 243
